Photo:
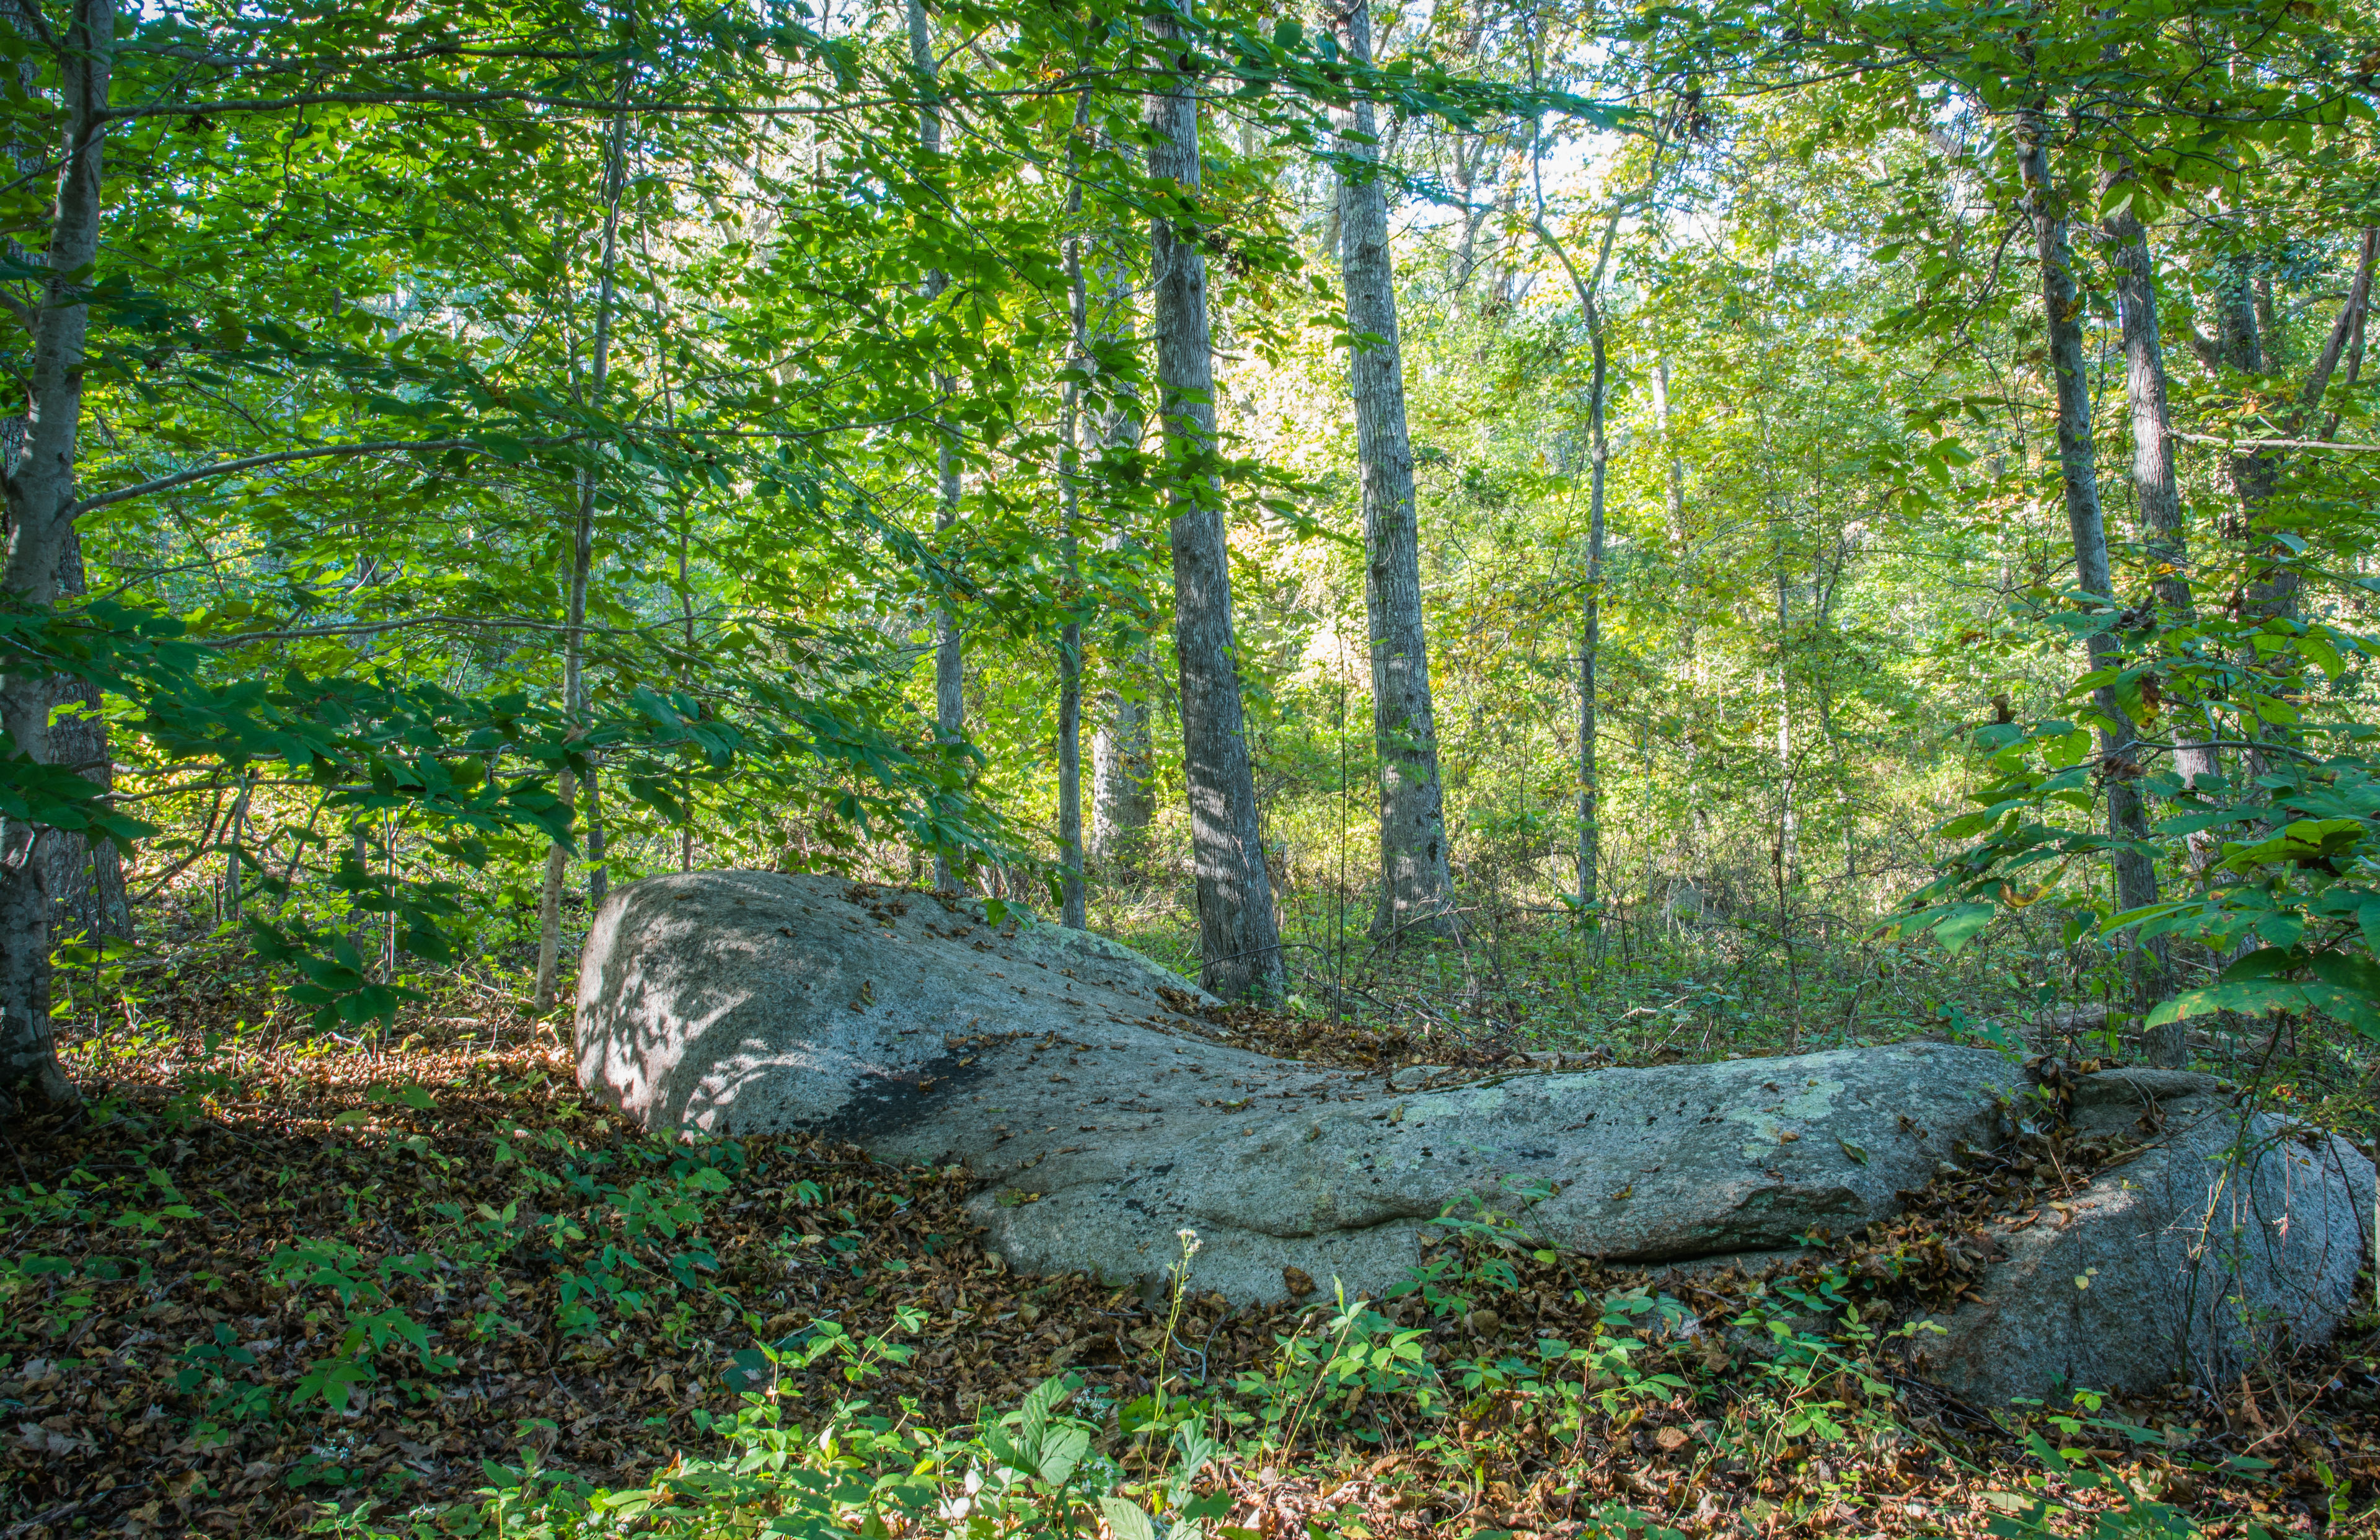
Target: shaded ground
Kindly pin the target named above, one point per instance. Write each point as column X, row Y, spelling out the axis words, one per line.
column 448, row 1238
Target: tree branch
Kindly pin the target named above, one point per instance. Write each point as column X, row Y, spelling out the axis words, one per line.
column 378, row 627
column 474, row 98
column 2351, row 316
column 225, row 467
column 2274, row 443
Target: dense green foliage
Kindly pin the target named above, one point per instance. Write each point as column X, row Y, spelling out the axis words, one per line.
column 394, row 307
column 495, row 431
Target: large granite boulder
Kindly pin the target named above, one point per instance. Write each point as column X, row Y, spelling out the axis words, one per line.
column 1102, row 1115
column 2226, row 1235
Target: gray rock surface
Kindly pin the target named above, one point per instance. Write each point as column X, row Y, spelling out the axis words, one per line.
column 1102, row 1117
column 2226, row 1233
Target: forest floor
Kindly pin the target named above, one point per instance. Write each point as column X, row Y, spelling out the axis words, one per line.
column 273, row 1284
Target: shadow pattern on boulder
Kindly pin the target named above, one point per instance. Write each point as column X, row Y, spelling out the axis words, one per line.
column 2225, row 1233
column 1100, row 1111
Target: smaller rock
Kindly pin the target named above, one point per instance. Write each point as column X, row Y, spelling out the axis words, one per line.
column 2191, row 1256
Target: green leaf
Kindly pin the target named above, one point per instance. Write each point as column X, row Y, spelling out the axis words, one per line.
column 2263, row 963
column 2250, row 998
column 1962, row 924
column 1128, row 1520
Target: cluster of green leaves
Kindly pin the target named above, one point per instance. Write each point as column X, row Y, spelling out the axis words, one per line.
column 355, row 267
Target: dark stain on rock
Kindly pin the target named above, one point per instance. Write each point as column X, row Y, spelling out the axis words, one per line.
column 884, row 1105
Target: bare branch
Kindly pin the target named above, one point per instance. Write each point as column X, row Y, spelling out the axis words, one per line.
column 225, row 467
column 378, row 627
column 2350, row 323
column 477, row 99
column 2274, row 443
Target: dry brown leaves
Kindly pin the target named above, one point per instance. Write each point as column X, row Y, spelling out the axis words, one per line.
column 298, row 1146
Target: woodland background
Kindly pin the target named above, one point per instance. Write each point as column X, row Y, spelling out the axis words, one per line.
column 433, row 394
column 1891, row 534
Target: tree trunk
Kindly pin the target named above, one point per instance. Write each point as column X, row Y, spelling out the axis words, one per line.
column 582, row 550
column 2244, row 344
column 85, row 877
column 2165, row 543
column 1416, row 889
column 1122, row 796
column 41, row 488
column 2164, row 539
column 1123, row 799
column 1239, row 941
column 549, row 904
column 2349, row 335
column 1590, row 634
column 1069, row 638
column 1589, row 289
column 598, row 879
column 949, row 647
column 2136, row 883
column 1788, row 814
column 233, row 846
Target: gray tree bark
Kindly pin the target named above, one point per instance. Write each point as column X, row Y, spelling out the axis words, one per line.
column 1590, row 630
column 85, row 877
column 2247, row 344
column 1124, row 798
column 1124, row 795
column 1589, row 286
column 1789, row 810
column 1590, row 639
column 1072, row 909
column 2136, row 883
column 582, row 551
column 39, row 494
column 1416, row 889
column 950, row 646
column 2164, row 539
column 1239, row 939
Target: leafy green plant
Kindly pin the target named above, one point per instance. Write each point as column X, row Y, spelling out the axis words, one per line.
column 1356, row 1352
column 364, row 1292
column 1813, row 1385
column 2131, row 1515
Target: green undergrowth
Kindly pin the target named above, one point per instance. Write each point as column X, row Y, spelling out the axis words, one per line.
column 287, row 1258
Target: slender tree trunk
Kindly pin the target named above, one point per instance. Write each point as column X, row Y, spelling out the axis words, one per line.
column 2136, row 883
column 1416, row 889
column 85, row 877
column 2247, row 344
column 1825, row 586
column 2165, row 538
column 2349, row 332
column 1589, row 286
column 582, row 553
column 1590, row 632
column 39, row 494
column 1123, row 796
column 598, row 879
column 1789, row 812
column 233, row 873
column 2165, row 543
column 1239, row 940
column 949, row 647
column 1069, row 638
